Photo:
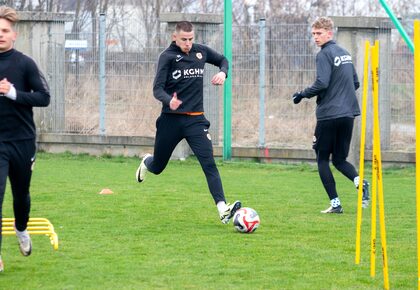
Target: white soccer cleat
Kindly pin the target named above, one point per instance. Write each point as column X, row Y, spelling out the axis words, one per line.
column 1, row 265
column 142, row 169
column 231, row 209
column 337, row 209
column 25, row 243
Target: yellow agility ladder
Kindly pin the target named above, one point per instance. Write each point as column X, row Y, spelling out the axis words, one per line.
column 36, row 226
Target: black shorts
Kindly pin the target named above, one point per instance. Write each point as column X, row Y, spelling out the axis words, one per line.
column 333, row 136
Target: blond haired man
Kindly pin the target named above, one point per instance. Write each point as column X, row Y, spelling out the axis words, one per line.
column 22, row 87
column 335, row 87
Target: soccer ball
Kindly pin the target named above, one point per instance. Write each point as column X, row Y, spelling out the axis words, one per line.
column 246, row 220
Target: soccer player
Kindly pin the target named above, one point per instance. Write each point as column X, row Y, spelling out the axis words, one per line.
column 22, row 86
column 335, row 87
column 179, row 86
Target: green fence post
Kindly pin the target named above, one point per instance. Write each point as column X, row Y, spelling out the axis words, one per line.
column 227, row 96
column 398, row 25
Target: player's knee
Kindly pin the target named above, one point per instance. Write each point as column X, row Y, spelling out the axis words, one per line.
column 208, row 165
column 337, row 161
column 322, row 159
column 323, row 165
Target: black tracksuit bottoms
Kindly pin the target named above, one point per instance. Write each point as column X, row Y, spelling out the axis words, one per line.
column 16, row 160
column 332, row 138
column 171, row 129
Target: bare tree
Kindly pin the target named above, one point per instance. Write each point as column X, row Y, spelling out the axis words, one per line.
column 22, row 4
column 269, row 9
column 9, row 3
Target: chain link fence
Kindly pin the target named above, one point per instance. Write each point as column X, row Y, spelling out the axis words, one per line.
column 262, row 115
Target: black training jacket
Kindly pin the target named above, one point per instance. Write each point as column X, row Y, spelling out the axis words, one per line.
column 183, row 73
column 16, row 116
column 335, row 85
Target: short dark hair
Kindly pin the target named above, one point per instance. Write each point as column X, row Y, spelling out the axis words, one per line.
column 185, row 26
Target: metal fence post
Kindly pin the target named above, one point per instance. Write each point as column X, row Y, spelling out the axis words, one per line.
column 227, row 110
column 261, row 138
column 102, row 76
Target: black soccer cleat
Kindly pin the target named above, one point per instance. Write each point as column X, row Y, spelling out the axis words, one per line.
column 365, row 198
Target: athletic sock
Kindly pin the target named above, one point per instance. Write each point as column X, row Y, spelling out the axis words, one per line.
column 335, row 202
column 221, row 206
column 356, row 181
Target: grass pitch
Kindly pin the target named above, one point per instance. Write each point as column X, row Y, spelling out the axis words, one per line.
column 165, row 233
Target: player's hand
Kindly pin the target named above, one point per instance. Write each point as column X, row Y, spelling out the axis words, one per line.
column 297, row 97
column 174, row 103
column 5, row 86
column 219, row 78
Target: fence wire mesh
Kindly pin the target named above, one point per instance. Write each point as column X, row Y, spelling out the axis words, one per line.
column 131, row 110
column 401, row 92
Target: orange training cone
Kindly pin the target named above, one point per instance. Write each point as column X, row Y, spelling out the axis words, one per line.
column 106, row 191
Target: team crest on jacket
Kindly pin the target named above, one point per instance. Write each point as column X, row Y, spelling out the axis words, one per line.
column 199, row 55
column 176, row 74
column 343, row 59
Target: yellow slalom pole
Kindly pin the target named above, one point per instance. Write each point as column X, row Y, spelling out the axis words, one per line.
column 362, row 151
column 417, row 116
column 373, row 215
column 375, row 94
column 378, row 161
column 382, row 219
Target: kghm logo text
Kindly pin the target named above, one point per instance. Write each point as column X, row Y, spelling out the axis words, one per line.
column 188, row 73
column 343, row 59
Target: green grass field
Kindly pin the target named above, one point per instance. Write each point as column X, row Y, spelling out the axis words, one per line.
column 166, row 234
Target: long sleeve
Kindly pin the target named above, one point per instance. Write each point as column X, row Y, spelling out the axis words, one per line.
column 38, row 94
column 159, row 83
column 218, row 60
column 323, row 77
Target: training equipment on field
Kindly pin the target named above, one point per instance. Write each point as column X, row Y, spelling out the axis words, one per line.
column 372, row 54
column 106, row 191
column 36, row 226
column 246, row 220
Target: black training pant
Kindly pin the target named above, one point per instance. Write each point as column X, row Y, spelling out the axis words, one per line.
column 171, row 129
column 333, row 137
column 16, row 161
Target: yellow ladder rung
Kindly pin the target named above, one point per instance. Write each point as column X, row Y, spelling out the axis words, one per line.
column 12, row 233
column 36, row 226
column 30, row 227
column 12, row 220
